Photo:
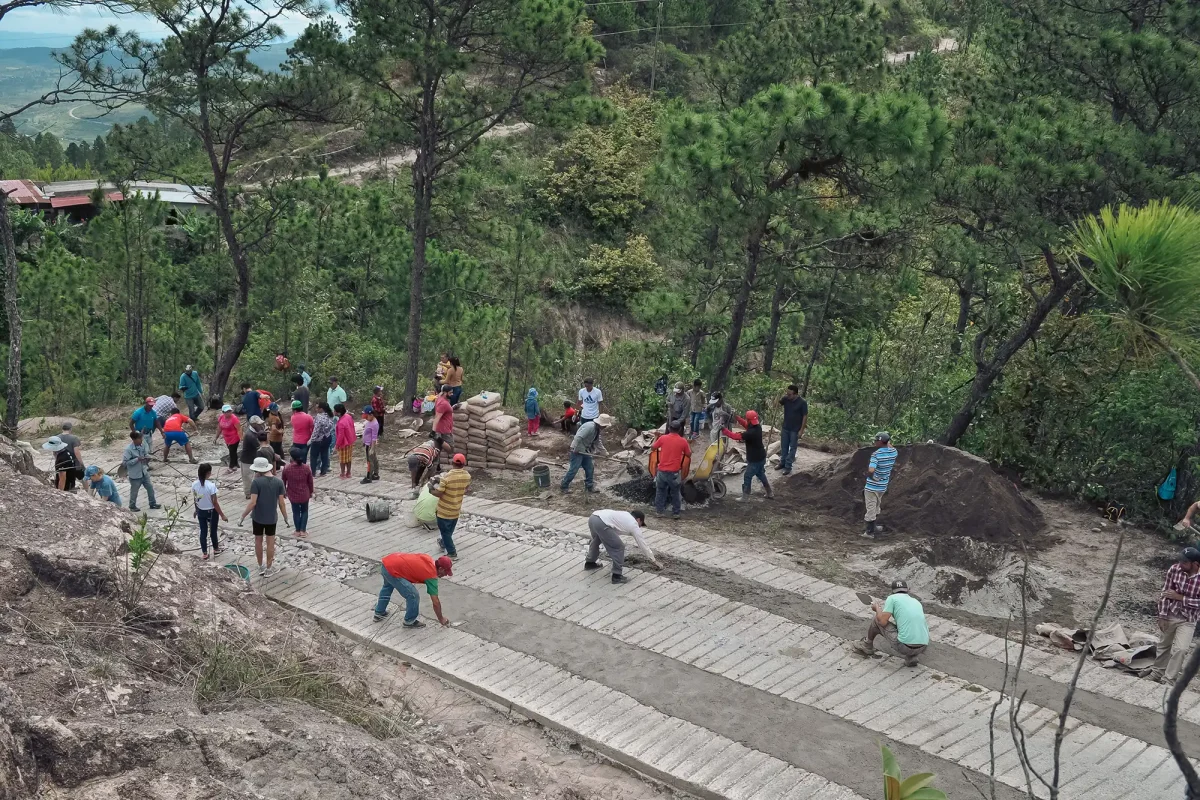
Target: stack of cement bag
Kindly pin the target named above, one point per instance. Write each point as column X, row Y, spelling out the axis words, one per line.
column 503, row 434
column 462, row 424
column 481, row 409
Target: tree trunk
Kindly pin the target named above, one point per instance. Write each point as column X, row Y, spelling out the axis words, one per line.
column 986, row 372
column 753, row 256
column 422, row 208
column 960, row 324
column 241, row 331
column 812, row 360
column 710, row 262
column 773, row 329
column 12, row 309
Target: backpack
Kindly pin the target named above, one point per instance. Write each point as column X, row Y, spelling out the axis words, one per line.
column 1166, row 489
column 660, row 386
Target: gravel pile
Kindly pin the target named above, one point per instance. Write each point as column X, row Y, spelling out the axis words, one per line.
column 296, row 554
column 520, row 532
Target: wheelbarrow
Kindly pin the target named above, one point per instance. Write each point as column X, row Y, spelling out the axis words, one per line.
column 706, row 482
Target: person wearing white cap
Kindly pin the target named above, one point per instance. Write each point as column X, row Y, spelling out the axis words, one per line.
column 583, row 447
column 265, row 506
column 64, row 463
column 229, row 430
column 193, row 391
column 900, row 621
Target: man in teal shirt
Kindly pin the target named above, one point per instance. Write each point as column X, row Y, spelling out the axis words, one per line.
column 145, row 421
column 193, row 391
column 900, row 620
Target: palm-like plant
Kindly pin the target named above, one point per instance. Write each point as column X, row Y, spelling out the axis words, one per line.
column 1147, row 261
column 914, row 787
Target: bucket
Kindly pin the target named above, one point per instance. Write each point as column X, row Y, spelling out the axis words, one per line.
column 541, row 476
column 378, row 510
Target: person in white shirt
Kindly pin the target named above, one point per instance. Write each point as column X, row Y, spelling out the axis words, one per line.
column 590, row 399
column 607, row 527
column 208, row 508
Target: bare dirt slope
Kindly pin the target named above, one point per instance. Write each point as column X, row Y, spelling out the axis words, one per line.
column 199, row 688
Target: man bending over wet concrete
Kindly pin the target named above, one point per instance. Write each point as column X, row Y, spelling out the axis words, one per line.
column 900, row 620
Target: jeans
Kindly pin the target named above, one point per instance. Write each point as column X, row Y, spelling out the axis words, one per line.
column 788, row 440
column 208, row 528
column 697, row 421
column 455, row 393
column 300, row 515
column 135, row 485
column 753, row 469
column 611, row 539
column 447, row 526
column 412, row 601
column 303, row 448
column 318, row 456
column 579, row 460
column 195, row 406
column 666, row 487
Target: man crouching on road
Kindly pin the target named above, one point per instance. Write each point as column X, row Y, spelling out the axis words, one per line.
column 401, row 572
column 901, row 621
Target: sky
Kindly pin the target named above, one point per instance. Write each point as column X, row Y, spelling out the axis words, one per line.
column 46, row 27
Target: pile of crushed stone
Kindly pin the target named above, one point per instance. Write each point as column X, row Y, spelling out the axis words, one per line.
column 934, row 491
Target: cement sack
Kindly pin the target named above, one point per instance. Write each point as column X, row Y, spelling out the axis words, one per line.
column 484, row 417
column 522, row 458
column 496, row 465
column 484, row 400
column 774, row 448
column 504, row 422
column 477, row 441
column 503, row 436
column 629, row 436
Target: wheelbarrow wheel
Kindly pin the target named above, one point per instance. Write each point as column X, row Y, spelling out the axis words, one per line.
column 718, row 488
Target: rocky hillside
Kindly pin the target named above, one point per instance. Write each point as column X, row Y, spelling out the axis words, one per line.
column 188, row 686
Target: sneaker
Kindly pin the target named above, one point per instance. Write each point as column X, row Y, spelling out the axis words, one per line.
column 619, row 579
column 204, row 556
column 675, row 515
column 742, row 498
column 267, row 572
column 155, row 506
column 380, row 616
column 262, row 571
column 593, row 490
column 787, row 471
column 564, row 490
column 218, row 550
column 910, row 662
column 863, row 648
column 589, row 565
column 416, row 623
column 781, row 468
column 135, row 509
column 367, row 479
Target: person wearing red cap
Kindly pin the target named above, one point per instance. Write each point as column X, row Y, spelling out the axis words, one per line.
column 756, row 453
column 401, row 572
column 449, row 492
column 145, row 421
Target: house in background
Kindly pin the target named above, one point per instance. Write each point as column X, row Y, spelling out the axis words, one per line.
column 75, row 199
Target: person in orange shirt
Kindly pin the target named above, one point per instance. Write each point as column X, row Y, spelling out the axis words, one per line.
column 672, row 449
column 173, row 433
column 402, row 572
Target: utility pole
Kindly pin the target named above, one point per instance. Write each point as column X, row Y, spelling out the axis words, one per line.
column 654, row 60
column 512, row 311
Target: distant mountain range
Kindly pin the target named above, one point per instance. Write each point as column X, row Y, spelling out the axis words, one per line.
column 27, row 73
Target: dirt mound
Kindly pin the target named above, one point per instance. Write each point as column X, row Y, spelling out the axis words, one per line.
column 934, row 491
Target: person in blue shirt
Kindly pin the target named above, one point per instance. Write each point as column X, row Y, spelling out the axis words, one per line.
column 879, row 472
column 145, row 421
column 102, row 486
column 250, row 400
column 304, row 376
column 193, row 392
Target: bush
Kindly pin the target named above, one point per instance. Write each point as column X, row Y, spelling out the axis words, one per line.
column 613, row 276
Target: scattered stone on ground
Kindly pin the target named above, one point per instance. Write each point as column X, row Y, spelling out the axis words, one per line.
column 934, row 491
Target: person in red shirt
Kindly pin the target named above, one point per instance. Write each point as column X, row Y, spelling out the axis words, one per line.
column 569, row 420
column 298, row 486
column 302, row 428
column 443, row 416
column 229, row 430
column 401, row 572
column 173, row 433
column 672, row 449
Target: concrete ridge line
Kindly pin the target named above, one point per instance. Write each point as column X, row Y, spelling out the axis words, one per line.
column 495, row 682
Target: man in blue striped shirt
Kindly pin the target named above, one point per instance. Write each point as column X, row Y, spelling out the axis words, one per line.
column 879, row 472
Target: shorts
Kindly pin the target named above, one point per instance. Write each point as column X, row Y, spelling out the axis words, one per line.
column 345, row 455
column 416, row 463
column 448, row 438
column 264, row 530
column 175, row 437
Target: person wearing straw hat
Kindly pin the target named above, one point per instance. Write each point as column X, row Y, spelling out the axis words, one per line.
column 75, row 444
column 584, row 446
column 64, row 463
column 265, row 506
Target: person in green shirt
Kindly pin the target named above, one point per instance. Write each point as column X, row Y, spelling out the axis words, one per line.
column 900, row 620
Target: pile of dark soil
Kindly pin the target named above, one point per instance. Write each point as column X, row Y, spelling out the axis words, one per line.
column 638, row 490
column 934, row 491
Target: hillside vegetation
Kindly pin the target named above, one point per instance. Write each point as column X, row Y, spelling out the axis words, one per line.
column 753, row 189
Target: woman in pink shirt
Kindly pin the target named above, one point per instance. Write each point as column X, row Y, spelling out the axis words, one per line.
column 302, row 428
column 344, row 439
column 230, row 429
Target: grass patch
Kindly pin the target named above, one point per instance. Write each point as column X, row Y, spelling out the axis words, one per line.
column 232, row 670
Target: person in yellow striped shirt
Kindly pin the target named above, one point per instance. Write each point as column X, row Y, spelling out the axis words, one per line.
column 449, row 492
